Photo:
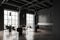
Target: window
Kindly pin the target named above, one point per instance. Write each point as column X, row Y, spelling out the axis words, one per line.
column 30, row 20
column 10, row 18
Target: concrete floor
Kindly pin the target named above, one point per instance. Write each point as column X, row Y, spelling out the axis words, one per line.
column 43, row 35
column 1, row 35
column 40, row 35
column 10, row 36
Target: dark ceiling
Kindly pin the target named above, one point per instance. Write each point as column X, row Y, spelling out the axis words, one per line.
column 35, row 5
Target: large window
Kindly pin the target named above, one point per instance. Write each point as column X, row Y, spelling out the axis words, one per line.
column 30, row 20
column 10, row 18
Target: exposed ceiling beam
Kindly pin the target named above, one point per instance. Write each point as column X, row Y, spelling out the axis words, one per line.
column 12, row 5
column 47, row 4
column 34, row 5
column 23, row 2
column 27, row 5
column 41, row 2
column 40, row 6
column 31, row 5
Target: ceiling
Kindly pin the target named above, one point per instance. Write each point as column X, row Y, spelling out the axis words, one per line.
column 35, row 5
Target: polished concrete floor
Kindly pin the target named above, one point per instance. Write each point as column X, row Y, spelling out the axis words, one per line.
column 40, row 35
column 43, row 35
column 1, row 35
column 10, row 35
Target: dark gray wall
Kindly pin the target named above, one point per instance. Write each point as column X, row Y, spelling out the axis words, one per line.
column 46, row 14
column 56, row 17
column 1, row 18
column 54, row 13
column 23, row 17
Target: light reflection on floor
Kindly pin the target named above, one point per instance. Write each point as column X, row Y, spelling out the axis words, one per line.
column 12, row 36
column 30, row 34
